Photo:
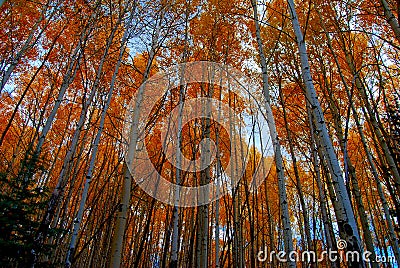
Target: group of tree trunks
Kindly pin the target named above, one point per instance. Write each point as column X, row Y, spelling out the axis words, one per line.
column 328, row 105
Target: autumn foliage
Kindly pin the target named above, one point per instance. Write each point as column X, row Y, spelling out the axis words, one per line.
column 69, row 70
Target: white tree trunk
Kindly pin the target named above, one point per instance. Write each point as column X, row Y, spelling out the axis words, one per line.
column 28, row 43
column 175, row 232
column 345, row 216
column 118, row 236
column 322, row 197
column 348, row 164
column 78, row 219
column 283, row 201
column 67, row 79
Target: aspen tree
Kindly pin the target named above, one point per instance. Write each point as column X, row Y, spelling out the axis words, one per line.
column 321, row 188
column 296, row 173
column 391, row 19
column 67, row 79
column 124, row 204
column 350, row 169
column 283, row 201
column 344, row 213
column 391, row 232
column 175, row 232
column 89, row 174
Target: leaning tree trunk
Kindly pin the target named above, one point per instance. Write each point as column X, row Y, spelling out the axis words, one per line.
column 67, row 80
column 89, row 174
column 283, row 201
column 321, row 190
column 345, row 215
column 391, row 232
column 343, row 146
column 297, row 176
column 118, row 236
column 391, row 19
column 235, row 192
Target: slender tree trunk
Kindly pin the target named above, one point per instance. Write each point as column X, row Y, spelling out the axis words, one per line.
column 118, row 236
column 296, row 174
column 321, row 190
column 267, row 201
column 205, row 175
column 68, row 78
column 238, row 137
column 283, row 201
column 343, row 146
column 219, row 180
column 391, row 19
column 175, row 232
column 345, row 216
column 78, row 219
column 392, row 235
column 235, row 190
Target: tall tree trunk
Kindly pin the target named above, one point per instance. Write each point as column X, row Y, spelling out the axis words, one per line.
column 235, row 181
column 89, row 174
column 343, row 145
column 218, row 178
column 297, row 176
column 345, row 216
column 205, row 174
column 175, row 232
column 270, row 229
column 321, row 188
column 283, row 201
column 118, row 236
column 67, row 79
column 391, row 233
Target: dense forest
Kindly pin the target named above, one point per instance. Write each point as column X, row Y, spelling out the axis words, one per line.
column 199, row 133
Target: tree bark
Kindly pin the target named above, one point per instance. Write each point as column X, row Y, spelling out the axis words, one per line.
column 391, row 19
column 283, row 201
column 89, row 174
column 67, row 79
column 175, row 232
column 345, row 216
column 118, row 236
